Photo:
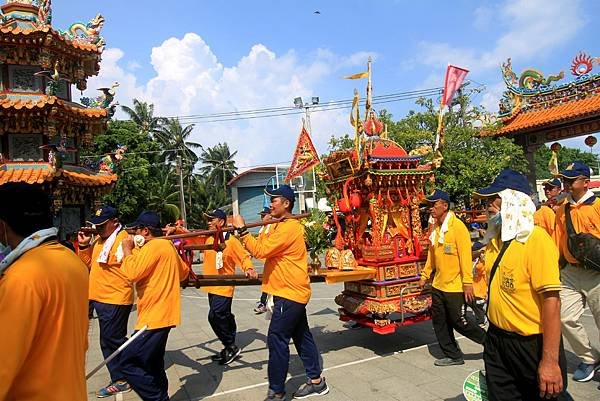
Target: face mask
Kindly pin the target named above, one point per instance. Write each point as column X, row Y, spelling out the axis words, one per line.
column 493, row 229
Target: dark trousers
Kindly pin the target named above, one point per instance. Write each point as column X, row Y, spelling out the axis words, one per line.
column 448, row 313
column 289, row 321
column 143, row 364
column 113, row 333
column 511, row 364
column 221, row 319
column 477, row 306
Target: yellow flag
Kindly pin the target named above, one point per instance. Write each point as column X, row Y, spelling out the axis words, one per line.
column 360, row 75
column 553, row 163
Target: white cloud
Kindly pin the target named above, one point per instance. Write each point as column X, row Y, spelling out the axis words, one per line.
column 533, row 29
column 190, row 80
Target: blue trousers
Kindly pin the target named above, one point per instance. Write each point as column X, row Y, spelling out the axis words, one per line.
column 113, row 333
column 221, row 319
column 289, row 321
column 143, row 363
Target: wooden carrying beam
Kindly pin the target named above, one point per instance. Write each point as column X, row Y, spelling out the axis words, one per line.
column 209, row 280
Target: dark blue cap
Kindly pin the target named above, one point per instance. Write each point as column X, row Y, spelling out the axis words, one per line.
column 555, row 182
column 146, row 219
column 218, row 214
column 265, row 210
column 437, row 195
column 576, row 169
column 284, row 191
column 103, row 214
column 507, row 179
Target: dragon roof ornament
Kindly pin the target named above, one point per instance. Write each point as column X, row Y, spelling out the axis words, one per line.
column 533, row 90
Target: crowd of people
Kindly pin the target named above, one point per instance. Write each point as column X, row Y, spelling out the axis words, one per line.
column 530, row 265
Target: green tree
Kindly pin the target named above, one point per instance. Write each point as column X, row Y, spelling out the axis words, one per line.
column 218, row 164
column 142, row 115
column 174, row 136
column 565, row 156
column 164, row 197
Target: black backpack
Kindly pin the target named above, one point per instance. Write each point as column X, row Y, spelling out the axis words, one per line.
column 583, row 246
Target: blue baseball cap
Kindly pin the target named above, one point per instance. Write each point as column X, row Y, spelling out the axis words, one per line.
column 146, row 219
column 555, row 182
column 575, row 170
column 437, row 195
column 507, row 179
column 103, row 214
column 284, row 191
column 218, row 213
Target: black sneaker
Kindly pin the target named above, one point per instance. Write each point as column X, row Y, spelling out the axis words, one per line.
column 311, row 389
column 449, row 362
column 231, row 352
column 271, row 395
column 218, row 357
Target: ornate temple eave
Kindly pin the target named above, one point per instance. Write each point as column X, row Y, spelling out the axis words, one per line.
column 18, row 103
column 42, row 172
column 45, row 35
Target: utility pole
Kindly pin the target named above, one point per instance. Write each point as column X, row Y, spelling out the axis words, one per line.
column 181, row 192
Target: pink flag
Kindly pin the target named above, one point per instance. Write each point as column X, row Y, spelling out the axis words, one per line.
column 454, row 79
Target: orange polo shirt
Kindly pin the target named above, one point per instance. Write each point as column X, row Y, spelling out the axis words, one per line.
column 234, row 254
column 44, row 321
column 108, row 283
column 545, row 217
column 156, row 269
column 585, row 217
column 286, row 270
column 451, row 260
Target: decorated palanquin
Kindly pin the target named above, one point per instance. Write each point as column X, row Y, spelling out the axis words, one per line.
column 41, row 127
column 377, row 192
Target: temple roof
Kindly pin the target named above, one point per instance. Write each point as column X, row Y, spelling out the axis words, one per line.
column 40, row 172
column 39, row 101
column 540, row 118
column 533, row 101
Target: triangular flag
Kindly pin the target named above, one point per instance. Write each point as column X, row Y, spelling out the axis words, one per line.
column 305, row 156
column 360, row 75
column 553, row 163
column 454, row 79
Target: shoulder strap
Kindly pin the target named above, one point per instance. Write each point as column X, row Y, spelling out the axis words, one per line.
column 570, row 228
column 494, row 268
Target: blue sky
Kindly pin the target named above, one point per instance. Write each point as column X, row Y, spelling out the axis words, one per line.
column 200, row 57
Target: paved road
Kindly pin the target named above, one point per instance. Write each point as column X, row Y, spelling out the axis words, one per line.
column 359, row 365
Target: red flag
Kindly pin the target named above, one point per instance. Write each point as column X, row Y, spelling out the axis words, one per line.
column 454, row 79
column 305, row 156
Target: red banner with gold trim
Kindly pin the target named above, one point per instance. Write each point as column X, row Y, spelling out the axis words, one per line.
column 305, row 156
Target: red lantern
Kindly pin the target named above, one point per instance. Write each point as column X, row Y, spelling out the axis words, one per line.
column 591, row 141
column 355, row 200
column 344, row 206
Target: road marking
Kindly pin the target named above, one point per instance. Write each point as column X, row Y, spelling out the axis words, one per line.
column 343, row 365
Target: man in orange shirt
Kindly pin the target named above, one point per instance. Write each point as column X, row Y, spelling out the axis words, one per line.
column 220, row 317
column 43, row 303
column 111, row 294
column 580, row 285
column 545, row 215
column 156, row 269
column 286, row 278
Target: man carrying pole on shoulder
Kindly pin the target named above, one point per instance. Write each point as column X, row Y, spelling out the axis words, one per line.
column 286, row 278
column 220, row 317
column 111, row 294
column 156, row 269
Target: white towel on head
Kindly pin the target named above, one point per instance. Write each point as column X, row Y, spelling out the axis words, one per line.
column 517, row 215
column 108, row 244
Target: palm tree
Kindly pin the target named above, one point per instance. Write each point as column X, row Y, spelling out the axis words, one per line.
column 218, row 164
column 165, row 196
column 173, row 136
column 142, row 115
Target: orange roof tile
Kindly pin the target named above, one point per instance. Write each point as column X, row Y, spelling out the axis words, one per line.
column 88, row 180
column 40, row 101
column 573, row 110
column 18, row 30
column 40, row 172
column 30, row 173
